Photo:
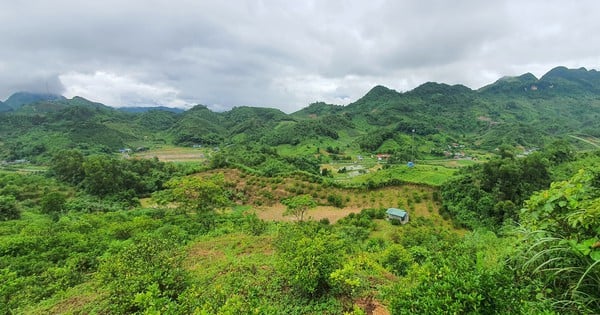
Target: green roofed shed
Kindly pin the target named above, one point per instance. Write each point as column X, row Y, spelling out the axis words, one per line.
column 397, row 214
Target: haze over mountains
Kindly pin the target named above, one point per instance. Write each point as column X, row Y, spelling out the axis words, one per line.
column 522, row 110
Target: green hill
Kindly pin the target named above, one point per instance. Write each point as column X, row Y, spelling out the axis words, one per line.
column 517, row 111
column 19, row 99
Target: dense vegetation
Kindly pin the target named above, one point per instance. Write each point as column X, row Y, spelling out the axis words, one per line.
column 494, row 228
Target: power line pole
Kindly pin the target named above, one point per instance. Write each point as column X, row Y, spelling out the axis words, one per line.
column 413, row 145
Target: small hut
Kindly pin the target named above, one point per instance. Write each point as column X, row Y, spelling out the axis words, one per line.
column 397, row 214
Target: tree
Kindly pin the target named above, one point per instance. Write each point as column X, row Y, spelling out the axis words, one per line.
column 53, row 203
column 307, row 255
column 103, row 175
column 147, row 275
column 298, row 205
column 8, row 208
column 67, row 166
column 559, row 151
column 198, row 194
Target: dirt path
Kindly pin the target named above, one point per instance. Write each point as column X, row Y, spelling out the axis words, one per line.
column 585, row 140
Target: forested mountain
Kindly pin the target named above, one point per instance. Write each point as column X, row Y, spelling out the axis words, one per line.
column 19, row 99
column 147, row 109
column 518, row 111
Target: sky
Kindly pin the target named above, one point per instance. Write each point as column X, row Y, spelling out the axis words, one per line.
column 281, row 54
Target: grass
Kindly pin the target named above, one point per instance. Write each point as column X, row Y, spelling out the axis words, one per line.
column 80, row 299
column 432, row 175
column 23, row 168
column 176, row 154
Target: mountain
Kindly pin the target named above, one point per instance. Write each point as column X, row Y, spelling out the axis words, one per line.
column 511, row 85
column 4, row 108
column 318, row 109
column 559, row 80
column 519, row 111
column 572, row 80
column 147, row 109
column 19, row 99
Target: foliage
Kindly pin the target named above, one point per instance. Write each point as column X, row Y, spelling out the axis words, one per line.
column 8, row 208
column 468, row 277
column 298, row 205
column 394, row 175
column 307, row 255
column 67, row 166
column 193, row 193
column 490, row 194
column 564, row 240
column 145, row 276
column 397, row 259
column 52, row 203
column 108, row 176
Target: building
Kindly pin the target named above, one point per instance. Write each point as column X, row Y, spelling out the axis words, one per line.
column 397, row 214
column 381, row 157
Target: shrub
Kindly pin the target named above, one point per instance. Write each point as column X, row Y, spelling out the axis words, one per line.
column 8, row 208
column 336, row 200
column 53, row 202
column 150, row 267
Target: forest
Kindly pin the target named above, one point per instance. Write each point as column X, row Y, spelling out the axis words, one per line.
column 254, row 211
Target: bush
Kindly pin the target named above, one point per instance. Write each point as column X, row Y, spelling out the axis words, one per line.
column 8, row 208
column 146, row 274
column 307, row 255
column 397, row 259
column 52, row 203
column 336, row 200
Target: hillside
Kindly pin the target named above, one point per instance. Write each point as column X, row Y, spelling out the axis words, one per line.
column 254, row 211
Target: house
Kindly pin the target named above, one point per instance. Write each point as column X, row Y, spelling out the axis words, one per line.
column 397, row 214
column 381, row 157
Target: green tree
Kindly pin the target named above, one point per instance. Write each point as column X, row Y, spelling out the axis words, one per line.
column 559, row 151
column 307, row 255
column 147, row 275
column 198, row 194
column 298, row 205
column 53, row 203
column 103, row 175
column 8, row 208
column 67, row 166
column 397, row 259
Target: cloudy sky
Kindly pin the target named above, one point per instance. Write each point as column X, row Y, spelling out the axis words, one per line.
column 283, row 54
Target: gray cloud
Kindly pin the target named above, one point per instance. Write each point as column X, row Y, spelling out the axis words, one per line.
column 279, row 53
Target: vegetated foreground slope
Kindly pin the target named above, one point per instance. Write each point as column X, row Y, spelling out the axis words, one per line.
column 271, row 221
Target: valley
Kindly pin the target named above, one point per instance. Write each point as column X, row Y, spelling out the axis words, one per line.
column 257, row 211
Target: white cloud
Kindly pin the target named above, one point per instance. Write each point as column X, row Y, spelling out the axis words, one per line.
column 279, row 53
column 118, row 90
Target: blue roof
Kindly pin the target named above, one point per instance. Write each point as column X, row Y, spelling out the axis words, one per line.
column 396, row 212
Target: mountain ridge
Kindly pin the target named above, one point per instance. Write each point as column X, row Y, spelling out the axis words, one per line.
column 520, row 111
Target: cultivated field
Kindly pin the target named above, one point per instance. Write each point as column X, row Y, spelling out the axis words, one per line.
column 263, row 195
column 176, row 154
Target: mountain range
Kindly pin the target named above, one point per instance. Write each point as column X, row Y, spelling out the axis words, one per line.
column 519, row 111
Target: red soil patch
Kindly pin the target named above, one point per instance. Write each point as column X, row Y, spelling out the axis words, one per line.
column 72, row 304
column 275, row 213
column 372, row 307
